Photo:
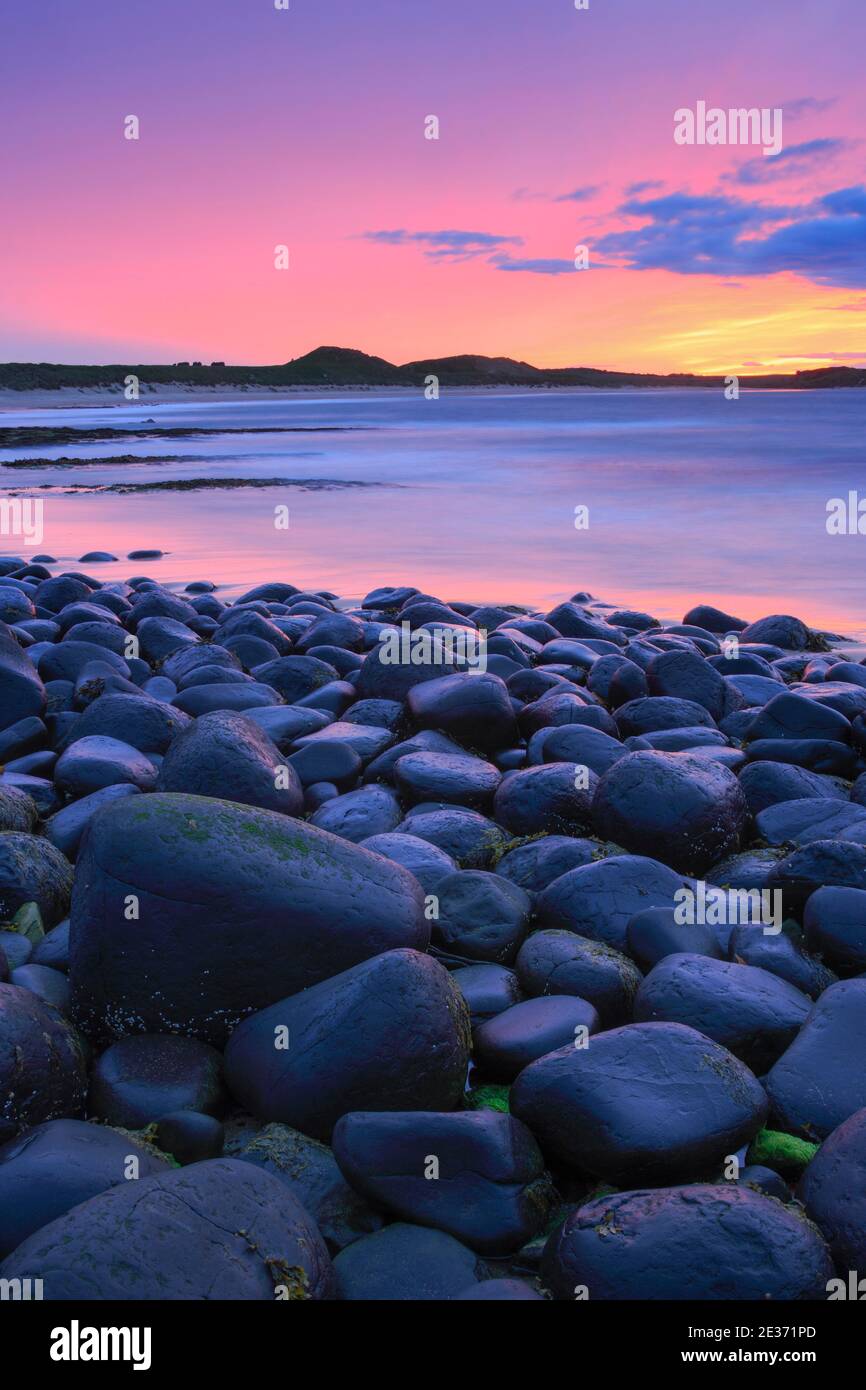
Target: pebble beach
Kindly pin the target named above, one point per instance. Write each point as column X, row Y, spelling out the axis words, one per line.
column 415, row 948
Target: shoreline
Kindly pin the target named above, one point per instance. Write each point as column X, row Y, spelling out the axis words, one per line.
column 64, row 397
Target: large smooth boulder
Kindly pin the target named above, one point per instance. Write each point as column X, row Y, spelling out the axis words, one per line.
column 819, row 1082
column 215, row 1230
column 675, row 807
column 406, row 1263
column 139, row 1079
column 42, row 1068
column 834, row 920
column 554, row 798
column 598, row 900
column 478, row 1175
column 704, row 1242
column 687, row 676
column 649, row 1103
column 96, row 762
column 779, row 630
column 22, row 693
column 389, row 1034
column 480, row 916
column 833, row 1191
column 33, row 871
column 58, row 1164
column 752, row 1013
column 475, row 710
column 560, row 962
column 225, row 751
column 234, row 908
column 149, row 725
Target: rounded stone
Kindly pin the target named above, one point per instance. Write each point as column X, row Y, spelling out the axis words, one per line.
column 389, row 1034
column 237, row 907
column 218, row 1230
column 705, row 1241
column 642, row 1105
column 674, row 807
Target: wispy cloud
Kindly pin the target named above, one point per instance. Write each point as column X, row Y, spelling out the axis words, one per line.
column 824, row 242
column 580, row 195
column 539, row 266
column 449, row 245
column 645, row 186
column 793, row 162
column 807, row 106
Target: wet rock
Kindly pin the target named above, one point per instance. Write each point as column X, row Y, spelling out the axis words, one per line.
column 470, row 839
column 488, row 990
column 190, row 1136
column 66, row 827
column 223, row 751
column 767, row 783
column 22, row 694
column 656, row 933
column 33, row 871
column 534, row 865
column 214, row 1230
column 42, row 1068
column 598, row 900
column 560, row 962
column 311, row 1173
column 93, row 763
column 683, row 1243
column 404, row 1262
column 656, row 712
column 457, row 779
column 473, row 709
column 236, row 908
column 488, row 1189
column 391, row 1033
column 822, row 863
column 147, row 724
column 506, row 1044
column 550, row 799
column 649, row 1103
column 360, row 814
column 427, row 863
column 834, row 920
column 687, row 676
column 752, row 1013
column 139, row 1079
column 781, row 630
column 819, row 1081
column 55, row 1166
column 671, row 806
column 18, row 811
column 833, row 1191
column 781, row 955
column 480, row 916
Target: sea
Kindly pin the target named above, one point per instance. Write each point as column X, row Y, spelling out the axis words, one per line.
column 648, row 499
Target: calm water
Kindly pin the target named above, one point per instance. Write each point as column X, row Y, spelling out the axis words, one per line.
column 690, row 496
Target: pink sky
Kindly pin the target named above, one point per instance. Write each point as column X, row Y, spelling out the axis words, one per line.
column 305, row 127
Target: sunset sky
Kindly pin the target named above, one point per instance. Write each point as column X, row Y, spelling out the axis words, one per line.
column 306, row 127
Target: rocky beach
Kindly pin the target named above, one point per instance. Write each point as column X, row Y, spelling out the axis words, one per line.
column 416, row 948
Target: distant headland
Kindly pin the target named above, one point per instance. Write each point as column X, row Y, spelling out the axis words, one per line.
column 346, row 367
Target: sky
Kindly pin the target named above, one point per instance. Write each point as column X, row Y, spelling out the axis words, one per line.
column 306, row 128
